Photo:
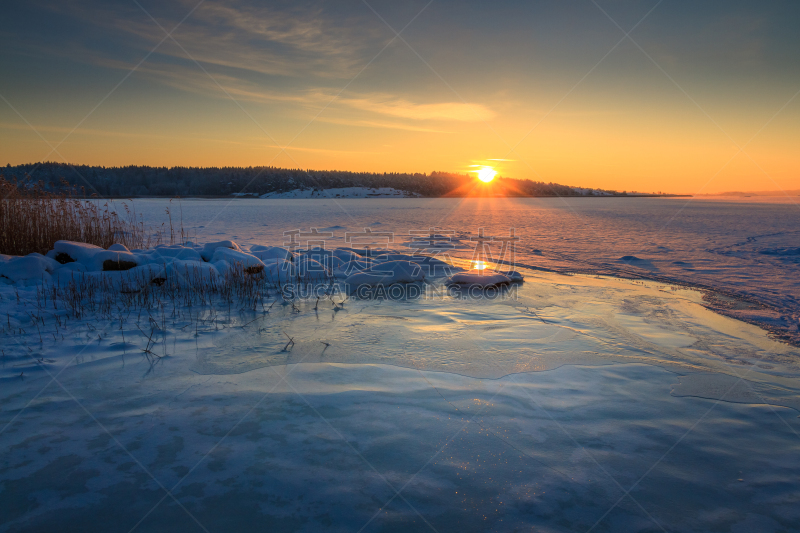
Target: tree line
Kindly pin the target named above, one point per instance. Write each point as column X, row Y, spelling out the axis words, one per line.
column 131, row 181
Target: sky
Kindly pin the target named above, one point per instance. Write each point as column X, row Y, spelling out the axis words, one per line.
column 674, row 96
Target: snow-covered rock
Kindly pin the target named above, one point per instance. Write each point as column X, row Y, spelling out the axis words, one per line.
column 431, row 266
column 311, row 271
column 267, row 253
column 131, row 280
column 279, row 272
column 513, row 275
column 347, row 255
column 112, row 260
column 387, row 273
column 350, row 267
column 326, row 262
column 238, row 258
column 167, row 254
column 186, row 274
column 30, row 267
column 208, row 250
column 76, row 251
column 479, row 278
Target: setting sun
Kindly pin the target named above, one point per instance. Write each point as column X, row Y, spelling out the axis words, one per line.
column 486, row 174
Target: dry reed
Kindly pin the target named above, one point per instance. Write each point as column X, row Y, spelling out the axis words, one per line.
column 32, row 219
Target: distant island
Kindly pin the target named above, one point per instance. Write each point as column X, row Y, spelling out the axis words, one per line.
column 274, row 182
column 742, row 194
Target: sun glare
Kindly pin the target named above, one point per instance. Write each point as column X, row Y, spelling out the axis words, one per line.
column 486, row 174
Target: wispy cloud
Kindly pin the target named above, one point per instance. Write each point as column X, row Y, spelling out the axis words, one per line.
column 189, row 78
column 379, row 124
column 398, row 107
column 292, row 40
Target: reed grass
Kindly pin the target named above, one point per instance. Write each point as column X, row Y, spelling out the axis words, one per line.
column 33, row 218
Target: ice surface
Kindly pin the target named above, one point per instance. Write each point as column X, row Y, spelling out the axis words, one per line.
column 535, row 406
column 723, row 244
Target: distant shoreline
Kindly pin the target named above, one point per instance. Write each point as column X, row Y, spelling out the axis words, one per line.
column 230, row 197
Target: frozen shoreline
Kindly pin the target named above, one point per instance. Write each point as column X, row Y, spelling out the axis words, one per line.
column 519, row 403
column 742, row 249
column 303, row 412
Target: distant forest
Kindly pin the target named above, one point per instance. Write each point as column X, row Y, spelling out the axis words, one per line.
column 192, row 181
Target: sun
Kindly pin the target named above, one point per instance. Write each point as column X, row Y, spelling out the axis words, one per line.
column 486, row 174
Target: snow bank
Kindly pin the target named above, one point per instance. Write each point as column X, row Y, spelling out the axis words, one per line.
column 190, row 264
column 327, row 262
column 73, row 251
column 208, row 250
column 270, row 253
column 387, row 273
column 350, row 267
column 346, row 255
column 113, row 260
column 30, row 267
column 343, row 192
column 431, row 266
column 311, row 271
column 480, row 278
column 279, row 272
column 94, row 258
column 191, row 273
column 130, row 280
column 233, row 257
column 167, row 254
column 513, row 275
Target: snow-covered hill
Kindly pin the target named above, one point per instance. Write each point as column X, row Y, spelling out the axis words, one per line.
column 344, row 192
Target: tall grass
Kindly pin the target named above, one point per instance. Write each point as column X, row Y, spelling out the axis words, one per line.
column 32, row 219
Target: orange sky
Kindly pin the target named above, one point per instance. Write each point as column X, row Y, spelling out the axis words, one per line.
column 697, row 100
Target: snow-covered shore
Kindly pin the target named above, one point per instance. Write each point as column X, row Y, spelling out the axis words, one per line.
column 272, row 265
column 297, row 408
column 747, row 252
column 343, row 192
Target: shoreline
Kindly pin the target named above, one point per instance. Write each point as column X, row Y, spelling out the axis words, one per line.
column 229, row 197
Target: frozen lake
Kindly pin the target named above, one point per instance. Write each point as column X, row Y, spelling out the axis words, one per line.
column 750, row 246
column 569, row 403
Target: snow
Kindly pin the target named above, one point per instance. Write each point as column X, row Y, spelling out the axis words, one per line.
column 30, row 267
column 266, row 253
column 99, row 260
column 535, row 401
column 236, row 257
column 77, row 251
column 479, row 278
column 280, row 272
column 130, row 280
column 166, row 254
column 343, row 192
column 526, row 405
column 186, row 274
column 386, row 273
column 512, row 275
column 345, row 269
column 208, row 249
